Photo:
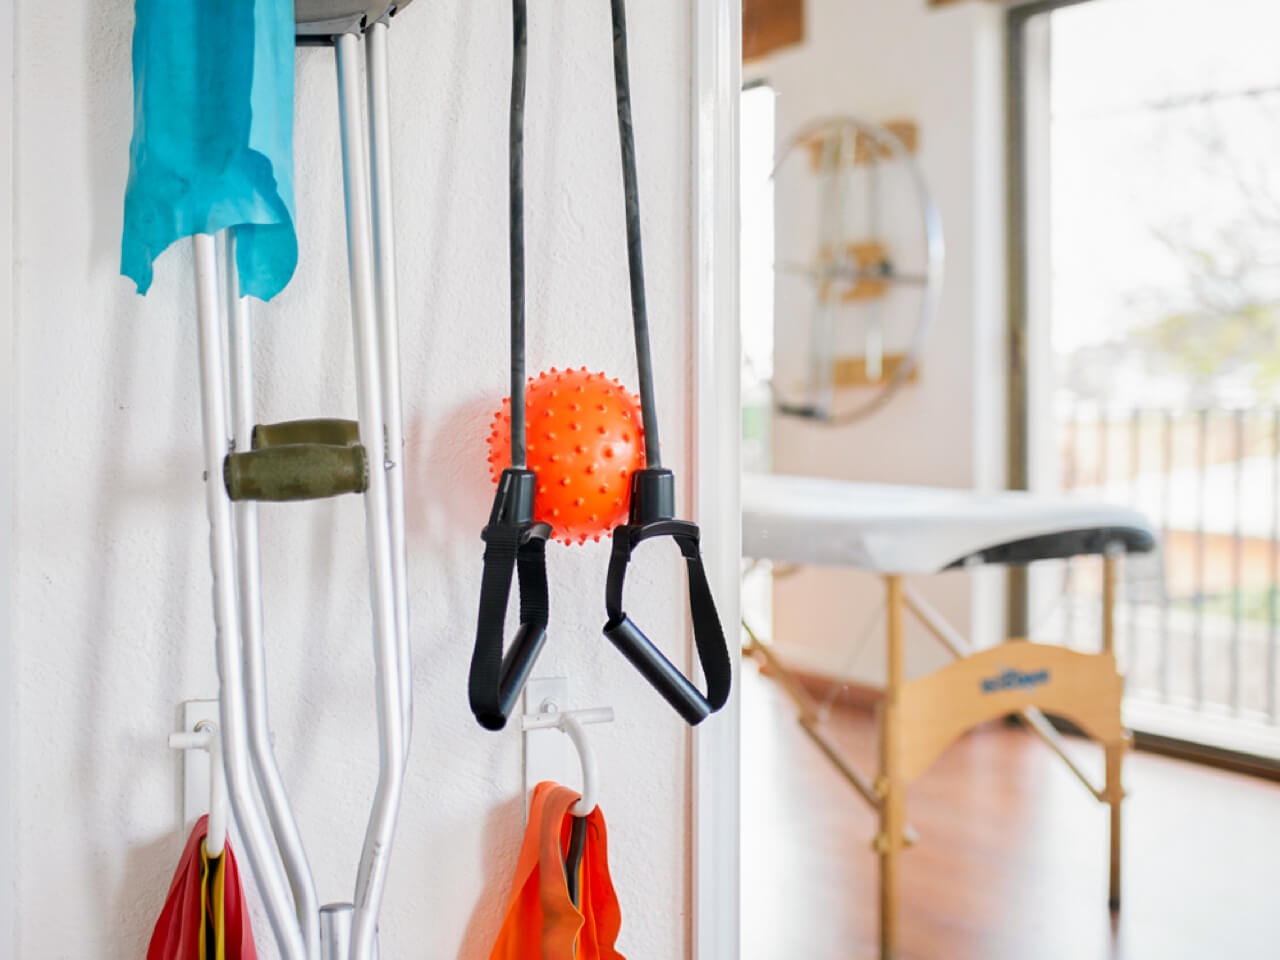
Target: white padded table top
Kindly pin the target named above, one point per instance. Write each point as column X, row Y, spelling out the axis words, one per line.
column 892, row 528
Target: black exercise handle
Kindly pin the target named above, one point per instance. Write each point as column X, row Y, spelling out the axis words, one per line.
column 515, row 547
column 713, row 652
column 653, row 488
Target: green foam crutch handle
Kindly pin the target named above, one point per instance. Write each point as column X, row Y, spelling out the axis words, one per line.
column 296, row 471
column 334, row 433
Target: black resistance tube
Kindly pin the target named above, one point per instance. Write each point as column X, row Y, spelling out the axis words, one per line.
column 515, row 545
column 519, row 74
column 635, row 255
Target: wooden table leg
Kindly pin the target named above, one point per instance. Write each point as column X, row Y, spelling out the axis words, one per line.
column 889, row 784
column 1109, row 575
column 1114, row 753
column 1115, row 796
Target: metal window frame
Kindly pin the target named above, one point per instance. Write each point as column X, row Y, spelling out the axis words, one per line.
column 1018, row 397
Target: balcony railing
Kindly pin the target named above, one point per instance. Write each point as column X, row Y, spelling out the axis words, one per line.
column 1199, row 623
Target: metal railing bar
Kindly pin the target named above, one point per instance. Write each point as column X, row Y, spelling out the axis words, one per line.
column 1130, row 653
column 1273, row 593
column 1104, row 450
column 1071, row 481
column 1202, row 488
column 1103, row 440
column 1237, row 556
column 1166, row 496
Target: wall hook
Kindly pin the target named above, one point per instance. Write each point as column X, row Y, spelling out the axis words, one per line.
column 571, row 723
column 206, row 737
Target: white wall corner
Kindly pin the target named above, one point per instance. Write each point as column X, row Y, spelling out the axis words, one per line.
column 717, row 78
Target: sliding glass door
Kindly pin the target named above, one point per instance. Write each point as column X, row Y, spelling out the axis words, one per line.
column 1146, row 311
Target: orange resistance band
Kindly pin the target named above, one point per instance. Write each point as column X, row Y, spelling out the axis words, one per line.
column 541, row 922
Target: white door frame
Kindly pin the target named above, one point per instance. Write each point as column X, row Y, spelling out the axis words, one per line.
column 717, row 79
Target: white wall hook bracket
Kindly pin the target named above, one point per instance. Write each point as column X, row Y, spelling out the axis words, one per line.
column 204, row 785
column 546, row 754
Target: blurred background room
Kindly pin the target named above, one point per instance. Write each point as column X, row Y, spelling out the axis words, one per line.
column 1012, row 246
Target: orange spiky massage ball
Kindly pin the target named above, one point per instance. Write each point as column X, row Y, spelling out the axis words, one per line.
column 584, row 442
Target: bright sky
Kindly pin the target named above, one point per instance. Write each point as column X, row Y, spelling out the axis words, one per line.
column 756, row 276
column 1120, row 169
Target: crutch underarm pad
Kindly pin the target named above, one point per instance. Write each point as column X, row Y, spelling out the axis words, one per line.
column 515, row 546
column 713, row 653
column 336, row 433
column 298, row 471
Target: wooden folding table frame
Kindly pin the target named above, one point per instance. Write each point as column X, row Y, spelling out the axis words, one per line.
column 920, row 718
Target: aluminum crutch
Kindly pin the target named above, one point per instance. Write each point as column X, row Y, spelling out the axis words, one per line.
column 304, row 460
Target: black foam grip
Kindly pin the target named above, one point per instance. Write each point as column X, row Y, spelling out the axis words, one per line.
column 713, row 651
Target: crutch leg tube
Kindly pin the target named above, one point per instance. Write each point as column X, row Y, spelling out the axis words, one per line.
column 384, row 268
column 372, row 872
column 249, row 584
column 232, row 711
column 335, row 931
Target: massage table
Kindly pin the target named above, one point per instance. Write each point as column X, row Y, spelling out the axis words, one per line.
column 894, row 531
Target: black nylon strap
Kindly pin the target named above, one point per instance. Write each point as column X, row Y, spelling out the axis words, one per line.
column 502, row 545
column 531, row 565
column 497, row 677
column 708, row 635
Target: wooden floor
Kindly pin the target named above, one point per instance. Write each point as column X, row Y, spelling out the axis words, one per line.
column 1012, row 859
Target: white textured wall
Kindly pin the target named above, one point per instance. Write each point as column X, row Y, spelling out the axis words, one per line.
column 113, row 591
column 8, row 743
column 940, row 68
